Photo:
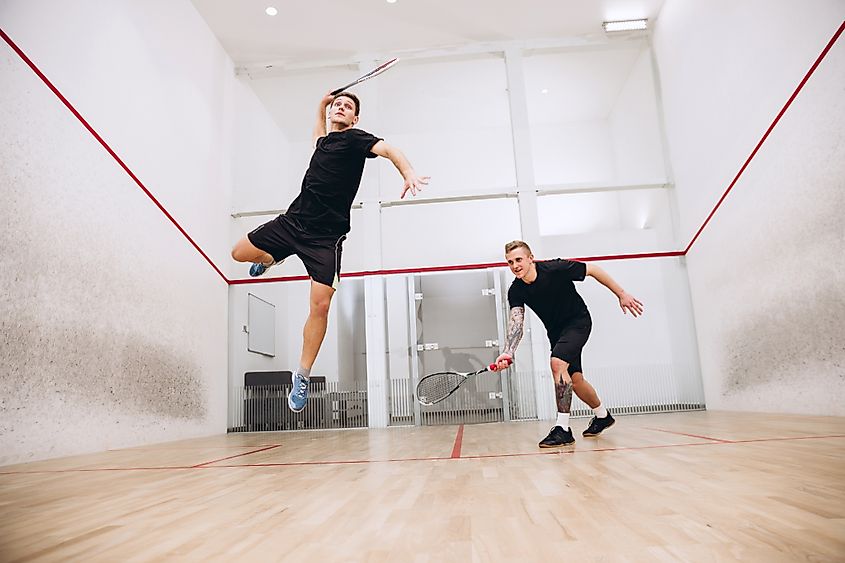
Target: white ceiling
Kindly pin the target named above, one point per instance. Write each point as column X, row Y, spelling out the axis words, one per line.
column 338, row 30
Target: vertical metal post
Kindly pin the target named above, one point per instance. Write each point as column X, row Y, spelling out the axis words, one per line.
column 500, row 328
column 412, row 336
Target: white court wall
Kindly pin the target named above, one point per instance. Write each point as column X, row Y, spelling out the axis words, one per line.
column 596, row 125
column 260, row 162
column 114, row 328
column 570, row 98
column 635, row 126
column 767, row 273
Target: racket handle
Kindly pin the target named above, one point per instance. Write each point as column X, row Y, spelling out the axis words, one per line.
column 493, row 367
column 342, row 88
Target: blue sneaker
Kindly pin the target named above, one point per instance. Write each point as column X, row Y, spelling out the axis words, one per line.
column 299, row 394
column 258, row 268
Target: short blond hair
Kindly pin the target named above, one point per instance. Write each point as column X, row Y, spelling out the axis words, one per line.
column 514, row 244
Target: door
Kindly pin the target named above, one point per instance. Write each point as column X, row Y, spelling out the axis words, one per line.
column 457, row 326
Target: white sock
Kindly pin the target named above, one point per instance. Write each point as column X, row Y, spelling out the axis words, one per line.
column 600, row 411
column 306, row 373
column 563, row 420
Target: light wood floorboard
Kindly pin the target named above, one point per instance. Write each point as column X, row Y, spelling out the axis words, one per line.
column 701, row 486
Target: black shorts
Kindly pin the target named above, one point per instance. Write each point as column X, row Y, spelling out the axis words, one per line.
column 570, row 343
column 321, row 256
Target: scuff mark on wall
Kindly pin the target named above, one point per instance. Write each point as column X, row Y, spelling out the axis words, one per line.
column 782, row 342
column 129, row 372
column 112, row 331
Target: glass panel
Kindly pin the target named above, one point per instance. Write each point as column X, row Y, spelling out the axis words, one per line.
column 401, row 403
column 457, row 329
column 458, row 132
column 442, row 234
column 593, row 116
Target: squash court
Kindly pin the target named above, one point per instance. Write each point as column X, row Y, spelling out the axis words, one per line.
column 222, row 286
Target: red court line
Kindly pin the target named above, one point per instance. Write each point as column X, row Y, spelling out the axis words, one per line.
column 631, row 256
column 459, row 438
column 105, row 145
column 531, row 454
column 594, row 258
column 97, row 469
column 171, row 448
column 674, row 253
column 331, row 462
column 749, row 440
column 458, row 267
column 264, row 449
column 574, row 450
column 689, row 435
column 455, row 268
column 462, row 458
column 769, row 130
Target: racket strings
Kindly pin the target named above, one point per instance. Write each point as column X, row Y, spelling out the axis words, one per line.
column 438, row 386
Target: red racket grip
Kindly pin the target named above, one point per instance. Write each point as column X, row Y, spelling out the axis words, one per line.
column 493, row 367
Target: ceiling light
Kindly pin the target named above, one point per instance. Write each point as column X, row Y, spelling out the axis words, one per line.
column 625, row 25
column 271, row 11
column 391, row 1
column 544, row 91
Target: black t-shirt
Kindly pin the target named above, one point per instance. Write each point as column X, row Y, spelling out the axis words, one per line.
column 328, row 189
column 552, row 295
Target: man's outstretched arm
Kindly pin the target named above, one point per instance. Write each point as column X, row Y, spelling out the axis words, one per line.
column 626, row 301
column 413, row 182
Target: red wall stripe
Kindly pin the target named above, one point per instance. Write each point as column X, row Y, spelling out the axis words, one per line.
column 766, row 134
column 111, row 151
column 459, row 267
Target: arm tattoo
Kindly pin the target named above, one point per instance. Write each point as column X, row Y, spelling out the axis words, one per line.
column 563, row 392
column 514, row 330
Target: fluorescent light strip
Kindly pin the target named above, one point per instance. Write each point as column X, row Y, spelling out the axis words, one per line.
column 625, row 25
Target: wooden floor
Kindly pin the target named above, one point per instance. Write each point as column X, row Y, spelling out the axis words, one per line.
column 676, row 487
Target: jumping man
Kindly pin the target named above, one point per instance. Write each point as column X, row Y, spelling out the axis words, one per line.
column 315, row 225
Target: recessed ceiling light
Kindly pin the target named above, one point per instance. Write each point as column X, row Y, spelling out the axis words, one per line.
column 625, row 25
column 391, row 1
column 271, row 11
column 544, row 91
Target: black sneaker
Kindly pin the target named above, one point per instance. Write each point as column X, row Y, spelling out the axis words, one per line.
column 598, row 425
column 557, row 437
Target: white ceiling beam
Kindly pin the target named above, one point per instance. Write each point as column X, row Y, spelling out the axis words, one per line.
column 270, row 69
